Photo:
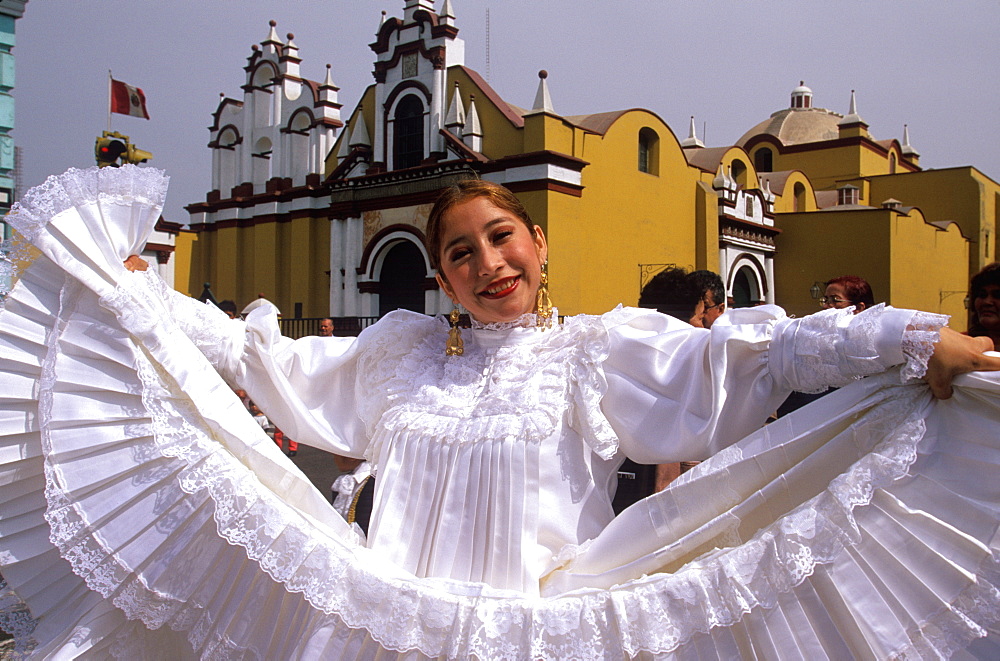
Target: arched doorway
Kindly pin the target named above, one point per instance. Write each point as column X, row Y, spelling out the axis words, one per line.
column 746, row 289
column 401, row 281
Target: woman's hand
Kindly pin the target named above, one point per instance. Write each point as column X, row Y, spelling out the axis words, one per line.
column 136, row 263
column 957, row 354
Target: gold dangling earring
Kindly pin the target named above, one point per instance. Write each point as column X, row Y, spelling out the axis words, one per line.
column 455, row 345
column 543, row 305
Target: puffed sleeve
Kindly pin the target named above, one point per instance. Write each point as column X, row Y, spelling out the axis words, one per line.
column 679, row 393
column 305, row 386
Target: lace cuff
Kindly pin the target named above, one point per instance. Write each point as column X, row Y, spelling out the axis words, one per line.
column 919, row 338
column 833, row 347
column 128, row 187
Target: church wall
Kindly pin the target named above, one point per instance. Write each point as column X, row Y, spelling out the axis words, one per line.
column 785, row 202
column 182, row 258
column 627, row 217
column 928, row 267
column 963, row 195
column 262, row 270
column 872, row 164
column 543, row 131
column 825, row 167
column 706, row 228
column 286, row 261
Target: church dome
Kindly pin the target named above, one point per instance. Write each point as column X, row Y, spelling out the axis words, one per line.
column 799, row 123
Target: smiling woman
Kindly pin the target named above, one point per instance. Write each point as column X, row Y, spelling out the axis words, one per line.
column 144, row 514
column 488, row 254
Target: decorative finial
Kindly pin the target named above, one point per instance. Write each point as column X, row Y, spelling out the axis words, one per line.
column 272, row 23
column 543, row 101
column 692, row 139
column 290, row 36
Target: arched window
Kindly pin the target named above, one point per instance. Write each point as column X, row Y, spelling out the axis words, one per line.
column 739, row 170
column 408, row 133
column 763, row 160
column 649, row 151
column 228, row 163
column 401, row 281
column 262, row 161
column 800, row 196
column 263, row 101
column 892, row 164
column 300, row 159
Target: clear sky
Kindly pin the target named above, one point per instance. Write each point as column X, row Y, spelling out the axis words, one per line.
column 730, row 63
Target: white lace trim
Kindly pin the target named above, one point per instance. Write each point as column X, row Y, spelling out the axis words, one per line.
column 957, row 624
column 853, row 351
column 922, row 333
column 527, row 320
column 514, row 392
column 120, row 186
column 655, row 614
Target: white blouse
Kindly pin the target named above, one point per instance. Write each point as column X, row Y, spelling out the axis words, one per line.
column 491, row 464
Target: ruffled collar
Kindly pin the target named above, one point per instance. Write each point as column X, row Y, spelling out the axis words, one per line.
column 528, row 320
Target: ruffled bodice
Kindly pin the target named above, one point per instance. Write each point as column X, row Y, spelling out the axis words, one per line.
column 466, row 446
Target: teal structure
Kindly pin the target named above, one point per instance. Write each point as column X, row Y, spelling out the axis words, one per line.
column 10, row 11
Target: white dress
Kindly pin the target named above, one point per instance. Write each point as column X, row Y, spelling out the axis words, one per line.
column 145, row 514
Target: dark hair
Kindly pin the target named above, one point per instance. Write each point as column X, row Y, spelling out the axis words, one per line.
column 671, row 291
column 705, row 281
column 989, row 275
column 461, row 192
column 229, row 306
column 857, row 289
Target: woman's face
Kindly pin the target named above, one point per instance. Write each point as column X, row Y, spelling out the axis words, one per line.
column 836, row 297
column 987, row 306
column 490, row 262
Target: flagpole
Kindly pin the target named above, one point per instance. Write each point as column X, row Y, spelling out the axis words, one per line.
column 109, row 100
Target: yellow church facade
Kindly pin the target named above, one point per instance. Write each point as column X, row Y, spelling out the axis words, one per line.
column 325, row 213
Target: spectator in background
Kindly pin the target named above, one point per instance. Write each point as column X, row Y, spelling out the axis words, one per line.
column 848, row 290
column 261, row 419
column 840, row 293
column 713, row 297
column 326, row 327
column 984, row 304
column 699, row 297
column 229, row 307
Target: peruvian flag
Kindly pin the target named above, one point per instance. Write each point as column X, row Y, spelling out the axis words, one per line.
column 128, row 100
